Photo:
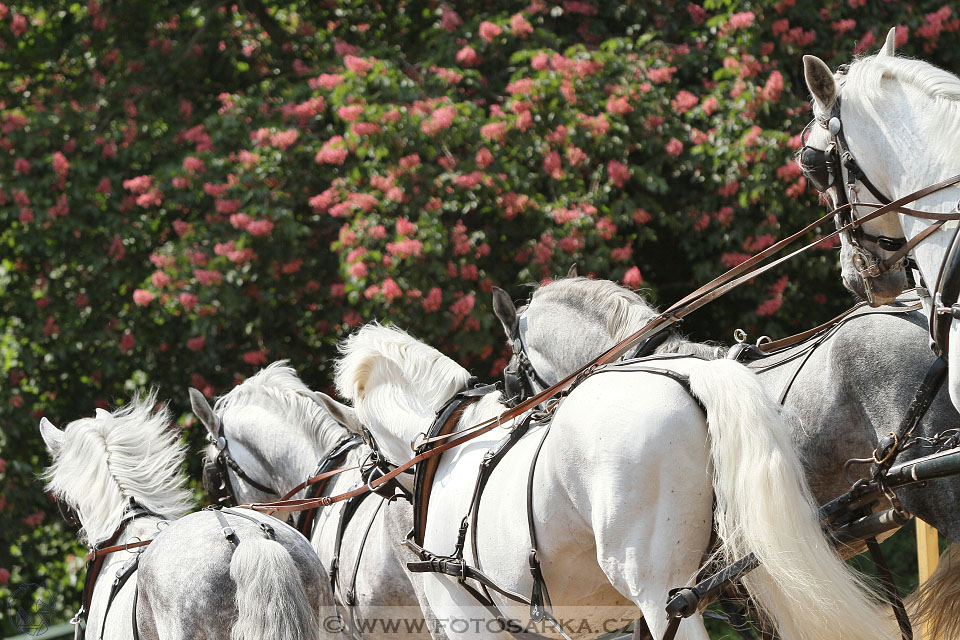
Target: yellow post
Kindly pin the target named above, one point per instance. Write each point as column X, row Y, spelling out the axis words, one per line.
column 927, row 550
column 928, row 553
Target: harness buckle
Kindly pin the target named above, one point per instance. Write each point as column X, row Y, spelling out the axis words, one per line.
column 418, row 441
column 78, row 616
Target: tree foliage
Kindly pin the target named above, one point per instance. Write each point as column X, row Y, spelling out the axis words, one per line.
column 191, row 190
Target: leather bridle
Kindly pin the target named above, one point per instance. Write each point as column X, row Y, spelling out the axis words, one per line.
column 824, row 169
column 216, row 480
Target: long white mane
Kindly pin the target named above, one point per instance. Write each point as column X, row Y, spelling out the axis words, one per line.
column 865, row 76
column 278, row 388
column 105, row 460
column 394, row 380
column 619, row 310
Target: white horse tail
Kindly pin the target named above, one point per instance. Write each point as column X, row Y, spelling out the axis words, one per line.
column 271, row 599
column 763, row 506
column 935, row 605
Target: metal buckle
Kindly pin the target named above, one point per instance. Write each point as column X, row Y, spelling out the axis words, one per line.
column 78, row 616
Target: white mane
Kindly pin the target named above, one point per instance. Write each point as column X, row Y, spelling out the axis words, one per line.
column 620, row 310
column 106, row 460
column 866, row 75
column 388, row 350
column 278, row 388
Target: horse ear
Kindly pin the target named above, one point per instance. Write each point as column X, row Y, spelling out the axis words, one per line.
column 102, row 413
column 572, row 272
column 506, row 311
column 890, row 44
column 820, row 81
column 203, row 410
column 345, row 415
column 52, row 437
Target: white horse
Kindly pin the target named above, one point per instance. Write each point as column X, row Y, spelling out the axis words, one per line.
column 626, row 489
column 900, row 120
column 277, row 432
column 841, row 392
column 121, row 474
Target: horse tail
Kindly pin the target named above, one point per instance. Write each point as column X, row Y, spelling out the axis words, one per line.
column 935, row 605
column 272, row 601
column 764, row 507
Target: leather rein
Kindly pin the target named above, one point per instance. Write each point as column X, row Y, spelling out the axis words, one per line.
column 700, row 297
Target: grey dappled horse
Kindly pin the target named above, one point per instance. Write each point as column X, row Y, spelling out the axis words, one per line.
column 849, row 391
column 121, row 474
column 277, row 432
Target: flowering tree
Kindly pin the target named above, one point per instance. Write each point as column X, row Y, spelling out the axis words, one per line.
column 189, row 191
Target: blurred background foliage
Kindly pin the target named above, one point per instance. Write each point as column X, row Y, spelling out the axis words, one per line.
column 189, row 190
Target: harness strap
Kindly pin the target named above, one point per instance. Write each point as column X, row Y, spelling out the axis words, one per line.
column 316, row 484
column 890, row 588
column 948, row 291
column 123, row 574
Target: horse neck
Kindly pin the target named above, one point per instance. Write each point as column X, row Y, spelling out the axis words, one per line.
column 888, row 134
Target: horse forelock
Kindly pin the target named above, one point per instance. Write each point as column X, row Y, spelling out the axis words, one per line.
column 618, row 309
column 278, row 388
column 106, row 460
column 395, row 356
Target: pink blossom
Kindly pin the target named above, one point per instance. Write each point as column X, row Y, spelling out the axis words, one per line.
column 142, row 297
column 160, row 279
column 469, row 180
column 463, row 306
column 562, row 216
column 433, row 300
column 449, row 19
column 377, row 232
column 350, row 113
column 192, row 164
column 674, row 147
column 409, row 162
column 902, row 33
column 127, row 341
column 60, row 164
column 325, row 81
column 140, row 184
column 842, row 26
column 357, row 65
column 622, row 254
column 248, row 159
column 150, row 198
column 196, row 344
column 489, row 31
column 334, row 151
column 697, row 13
column 467, row 56
column 35, row 519
column 4, row 575
column 18, row 24
column 405, row 248
column 684, row 101
column 255, row 358
column 188, row 300
column 741, row 20
column 661, row 74
column 632, row 278
column 358, row 270
column 552, row 165
column 618, row 172
column 494, row 130
column 283, row 139
column 618, row 105
column 208, row 277
column 520, row 26
column 773, row 88
column 540, row 61
column 405, row 227
column 484, row 158
column 440, row 119
column 391, row 290
column 521, row 87
column 710, row 105
column 21, row 166
column 575, row 156
column 641, row 216
column 260, row 227
column 215, row 190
